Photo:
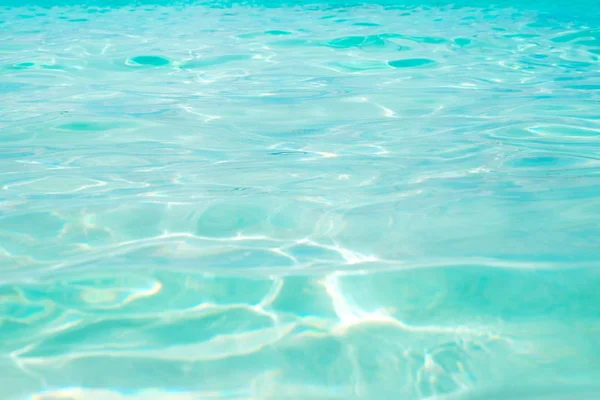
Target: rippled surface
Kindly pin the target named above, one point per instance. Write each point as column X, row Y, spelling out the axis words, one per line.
column 294, row 202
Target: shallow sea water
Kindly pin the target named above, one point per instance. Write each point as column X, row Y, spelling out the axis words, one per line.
column 299, row 201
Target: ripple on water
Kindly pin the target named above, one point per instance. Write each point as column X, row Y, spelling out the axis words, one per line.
column 411, row 63
column 152, row 61
column 359, row 65
column 22, row 65
column 356, row 41
column 90, row 126
column 278, row 33
column 213, row 61
column 365, row 24
column 462, row 42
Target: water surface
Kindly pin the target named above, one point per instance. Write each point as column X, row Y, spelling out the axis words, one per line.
column 299, row 200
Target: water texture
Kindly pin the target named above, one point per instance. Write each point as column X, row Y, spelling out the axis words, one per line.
column 300, row 201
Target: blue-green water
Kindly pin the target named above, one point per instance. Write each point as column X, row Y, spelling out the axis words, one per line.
column 286, row 200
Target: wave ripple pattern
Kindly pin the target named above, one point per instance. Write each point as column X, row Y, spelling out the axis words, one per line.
column 299, row 202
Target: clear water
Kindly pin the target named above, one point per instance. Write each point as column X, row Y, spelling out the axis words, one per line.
column 300, row 201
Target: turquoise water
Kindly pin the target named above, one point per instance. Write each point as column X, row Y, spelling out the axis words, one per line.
column 286, row 200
